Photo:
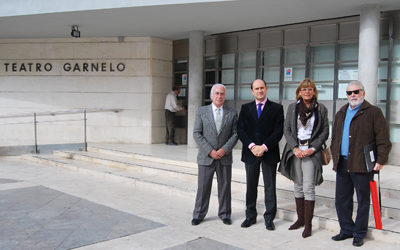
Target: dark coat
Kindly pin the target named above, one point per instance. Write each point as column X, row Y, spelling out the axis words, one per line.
column 267, row 130
column 319, row 135
column 367, row 126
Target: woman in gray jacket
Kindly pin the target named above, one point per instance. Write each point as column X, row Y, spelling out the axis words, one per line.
column 306, row 130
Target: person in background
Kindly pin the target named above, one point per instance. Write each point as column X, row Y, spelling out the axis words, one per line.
column 260, row 128
column 357, row 124
column 215, row 133
column 306, row 130
column 171, row 107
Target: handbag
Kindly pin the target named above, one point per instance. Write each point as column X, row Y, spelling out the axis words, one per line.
column 326, row 155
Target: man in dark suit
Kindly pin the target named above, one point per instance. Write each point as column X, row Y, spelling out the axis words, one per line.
column 260, row 128
column 215, row 133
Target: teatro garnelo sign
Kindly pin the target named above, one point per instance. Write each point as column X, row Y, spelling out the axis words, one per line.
column 61, row 67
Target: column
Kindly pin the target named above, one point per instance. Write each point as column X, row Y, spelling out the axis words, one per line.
column 368, row 52
column 196, row 49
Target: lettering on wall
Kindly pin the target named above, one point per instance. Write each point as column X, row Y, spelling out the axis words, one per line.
column 67, row 67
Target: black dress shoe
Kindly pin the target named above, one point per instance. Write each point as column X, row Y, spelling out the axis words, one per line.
column 196, row 222
column 341, row 236
column 358, row 242
column 248, row 222
column 227, row 221
column 269, row 225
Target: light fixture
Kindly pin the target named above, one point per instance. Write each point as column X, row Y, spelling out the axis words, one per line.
column 75, row 31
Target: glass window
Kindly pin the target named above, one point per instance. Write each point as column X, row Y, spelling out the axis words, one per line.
column 325, row 91
column 396, row 49
column 181, row 65
column 271, row 74
column 395, row 133
column 273, row 92
column 396, row 70
column 244, row 92
column 295, row 55
column 382, row 70
column 342, row 90
column 210, row 62
column 229, row 95
column 210, row 77
column 272, row 57
column 395, row 91
column 228, row 61
column 289, row 91
column 227, row 76
column 348, row 52
column 384, row 49
column 322, row 72
column 322, row 54
column 247, row 75
column 382, row 88
column 299, row 73
column 247, row 59
column 348, row 71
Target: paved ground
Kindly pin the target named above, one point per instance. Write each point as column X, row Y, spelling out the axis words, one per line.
column 50, row 208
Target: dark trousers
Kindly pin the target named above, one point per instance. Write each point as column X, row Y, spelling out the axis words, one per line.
column 205, row 179
column 346, row 183
column 170, row 126
column 269, row 177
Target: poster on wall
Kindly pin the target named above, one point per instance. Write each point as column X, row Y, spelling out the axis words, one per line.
column 288, row 74
column 184, row 79
column 348, row 74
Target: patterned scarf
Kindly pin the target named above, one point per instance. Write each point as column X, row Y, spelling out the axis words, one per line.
column 304, row 112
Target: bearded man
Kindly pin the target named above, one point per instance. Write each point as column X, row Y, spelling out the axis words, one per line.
column 357, row 124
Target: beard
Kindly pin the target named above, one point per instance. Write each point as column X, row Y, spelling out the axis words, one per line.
column 356, row 101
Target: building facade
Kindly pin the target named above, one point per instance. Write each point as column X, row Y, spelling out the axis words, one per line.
column 120, row 77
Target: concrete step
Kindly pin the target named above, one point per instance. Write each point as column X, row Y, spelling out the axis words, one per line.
column 325, row 193
column 182, row 179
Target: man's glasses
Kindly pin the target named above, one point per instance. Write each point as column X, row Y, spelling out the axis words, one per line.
column 357, row 91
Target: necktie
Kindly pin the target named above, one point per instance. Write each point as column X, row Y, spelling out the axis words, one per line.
column 218, row 119
column 259, row 110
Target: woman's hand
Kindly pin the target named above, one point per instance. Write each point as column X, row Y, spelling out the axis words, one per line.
column 303, row 153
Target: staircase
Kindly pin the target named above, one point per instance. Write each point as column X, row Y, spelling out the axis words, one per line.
column 180, row 178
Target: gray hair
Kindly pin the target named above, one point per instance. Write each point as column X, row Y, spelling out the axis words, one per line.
column 358, row 83
column 216, row 85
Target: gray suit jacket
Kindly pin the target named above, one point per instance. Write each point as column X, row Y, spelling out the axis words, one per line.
column 206, row 136
column 319, row 135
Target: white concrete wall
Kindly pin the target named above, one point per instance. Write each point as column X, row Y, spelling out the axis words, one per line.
column 139, row 91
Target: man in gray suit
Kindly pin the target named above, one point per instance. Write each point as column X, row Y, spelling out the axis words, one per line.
column 215, row 133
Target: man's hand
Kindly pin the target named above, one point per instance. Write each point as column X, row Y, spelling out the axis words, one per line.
column 221, row 152
column 213, row 154
column 378, row 167
column 258, row 150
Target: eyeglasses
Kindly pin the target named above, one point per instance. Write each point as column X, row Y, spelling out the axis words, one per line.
column 357, row 91
column 304, row 89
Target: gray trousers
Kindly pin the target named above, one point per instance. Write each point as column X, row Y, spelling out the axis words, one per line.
column 304, row 178
column 205, row 178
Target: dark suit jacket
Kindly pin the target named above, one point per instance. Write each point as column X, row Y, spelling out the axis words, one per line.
column 267, row 130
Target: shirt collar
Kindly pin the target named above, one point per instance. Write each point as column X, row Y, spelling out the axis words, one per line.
column 215, row 107
column 263, row 102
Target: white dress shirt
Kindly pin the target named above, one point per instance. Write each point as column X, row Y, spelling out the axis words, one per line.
column 171, row 102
